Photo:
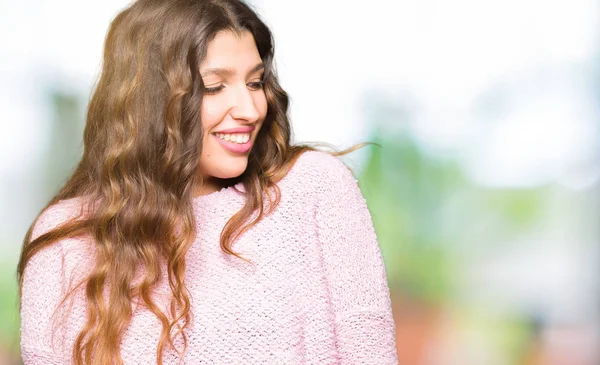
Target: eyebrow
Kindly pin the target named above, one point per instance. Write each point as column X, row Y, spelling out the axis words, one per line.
column 228, row 72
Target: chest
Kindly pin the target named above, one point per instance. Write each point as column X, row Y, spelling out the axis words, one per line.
column 259, row 312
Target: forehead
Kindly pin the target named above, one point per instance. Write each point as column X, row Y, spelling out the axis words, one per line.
column 236, row 51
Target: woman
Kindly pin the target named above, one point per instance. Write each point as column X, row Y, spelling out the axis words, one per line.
column 187, row 145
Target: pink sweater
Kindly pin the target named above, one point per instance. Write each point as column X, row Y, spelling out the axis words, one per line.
column 317, row 293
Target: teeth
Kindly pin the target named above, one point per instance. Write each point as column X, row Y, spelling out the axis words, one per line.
column 235, row 138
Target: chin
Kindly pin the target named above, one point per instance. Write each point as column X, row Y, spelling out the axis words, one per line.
column 232, row 171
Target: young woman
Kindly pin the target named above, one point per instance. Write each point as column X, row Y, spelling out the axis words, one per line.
column 188, row 157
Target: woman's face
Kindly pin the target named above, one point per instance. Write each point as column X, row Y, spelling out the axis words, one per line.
column 233, row 107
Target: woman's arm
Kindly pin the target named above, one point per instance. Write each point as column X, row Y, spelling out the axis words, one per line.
column 355, row 270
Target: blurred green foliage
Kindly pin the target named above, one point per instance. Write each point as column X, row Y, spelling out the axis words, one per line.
column 66, row 140
column 426, row 212
column 9, row 315
column 405, row 192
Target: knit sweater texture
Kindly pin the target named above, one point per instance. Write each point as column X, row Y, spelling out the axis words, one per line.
column 316, row 292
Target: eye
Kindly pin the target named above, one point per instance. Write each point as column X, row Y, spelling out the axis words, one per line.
column 214, row 89
column 256, row 85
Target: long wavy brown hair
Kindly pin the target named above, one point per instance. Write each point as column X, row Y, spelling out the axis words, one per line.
column 139, row 169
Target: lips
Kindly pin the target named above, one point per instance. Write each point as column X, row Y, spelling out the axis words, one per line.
column 228, row 139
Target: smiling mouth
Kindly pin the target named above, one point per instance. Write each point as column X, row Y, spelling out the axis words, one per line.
column 239, row 138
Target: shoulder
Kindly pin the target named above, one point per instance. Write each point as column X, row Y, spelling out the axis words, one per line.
column 64, row 253
column 321, row 168
column 56, row 215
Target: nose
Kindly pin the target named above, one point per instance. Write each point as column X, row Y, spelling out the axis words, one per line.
column 243, row 106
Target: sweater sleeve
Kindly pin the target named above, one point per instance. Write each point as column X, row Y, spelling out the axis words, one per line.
column 355, row 270
column 42, row 292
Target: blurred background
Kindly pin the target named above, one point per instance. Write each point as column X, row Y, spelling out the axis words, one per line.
column 484, row 192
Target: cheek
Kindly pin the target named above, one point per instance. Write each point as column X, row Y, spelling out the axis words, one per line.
column 261, row 105
column 210, row 117
column 211, row 114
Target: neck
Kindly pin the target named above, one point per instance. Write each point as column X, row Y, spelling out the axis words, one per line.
column 208, row 186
